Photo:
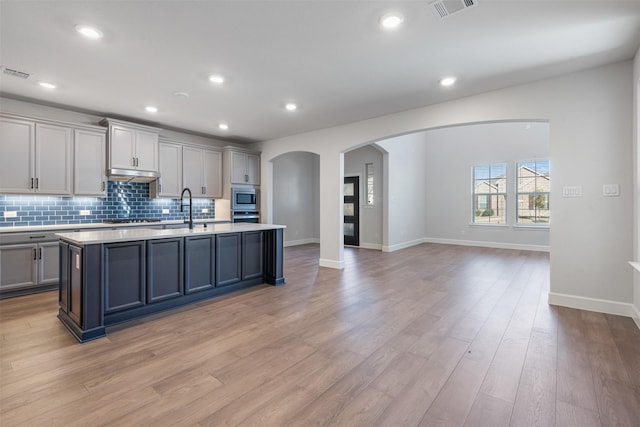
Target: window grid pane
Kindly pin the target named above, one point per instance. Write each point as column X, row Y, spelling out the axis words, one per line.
column 534, row 186
column 369, row 174
column 489, row 194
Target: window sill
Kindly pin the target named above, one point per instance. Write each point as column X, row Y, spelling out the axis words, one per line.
column 532, row 227
column 473, row 224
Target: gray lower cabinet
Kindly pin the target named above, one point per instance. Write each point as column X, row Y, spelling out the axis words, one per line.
column 124, row 275
column 165, row 269
column 228, row 259
column 29, row 265
column 199, row 263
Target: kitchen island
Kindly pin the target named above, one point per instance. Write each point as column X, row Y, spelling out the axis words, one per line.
column 112, row 276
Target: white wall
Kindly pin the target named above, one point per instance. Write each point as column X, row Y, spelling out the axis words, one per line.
column 295, row 194
column 451, row 153
column 406, row 192
column 590, row 116
column 370, row 215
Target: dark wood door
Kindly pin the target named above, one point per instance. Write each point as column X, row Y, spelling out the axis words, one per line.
column 351, row 211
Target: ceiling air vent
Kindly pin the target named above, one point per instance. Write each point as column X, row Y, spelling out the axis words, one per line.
column 15, row 73
column 444, row 8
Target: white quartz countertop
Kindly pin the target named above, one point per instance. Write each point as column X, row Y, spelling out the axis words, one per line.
column 38, row 228
column 127, row 235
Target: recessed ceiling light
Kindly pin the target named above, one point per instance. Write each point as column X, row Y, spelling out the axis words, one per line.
column 181, row 94
column 223, row 126
column 391, row 21
column 216, row 78
column 447, row 81
column 89, row 32
column 47, row 85
column 290, row 106
column 151, row 109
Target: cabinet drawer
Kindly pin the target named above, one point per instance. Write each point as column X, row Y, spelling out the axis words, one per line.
column 30, row 237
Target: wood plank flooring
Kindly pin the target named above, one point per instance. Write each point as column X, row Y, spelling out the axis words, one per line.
column 432, row 335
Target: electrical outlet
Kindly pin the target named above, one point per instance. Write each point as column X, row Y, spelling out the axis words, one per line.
column 165, row 211
column 205, row 210
column 10, row 214
column 85, row 212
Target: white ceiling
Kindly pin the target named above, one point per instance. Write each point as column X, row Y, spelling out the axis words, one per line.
column 331, row 57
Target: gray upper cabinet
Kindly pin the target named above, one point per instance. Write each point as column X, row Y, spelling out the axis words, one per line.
column 202, row 171
column 35, row 158
column 245, row 168
column 170, row 182
column 132, row 146
column 89, row 163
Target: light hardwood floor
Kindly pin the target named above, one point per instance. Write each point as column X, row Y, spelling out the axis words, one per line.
column 430, row 335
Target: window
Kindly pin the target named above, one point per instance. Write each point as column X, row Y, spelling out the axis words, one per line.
column 368, row 167
column 489, row 194
column 534, row 185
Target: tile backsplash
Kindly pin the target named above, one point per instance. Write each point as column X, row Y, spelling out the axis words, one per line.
column 124, row 200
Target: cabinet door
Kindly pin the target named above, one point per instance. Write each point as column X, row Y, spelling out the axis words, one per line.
column 121, row 147
column 53, row 159
column 164, row 269
column 253, row 169
column 212, row 173
column 89, row 163
column 48, row 263
column 17, row 151
column 252, row 254
column 170, row 159
column 199, row 263
column 146, row 152
column 228, row 259
column 18, row 267
column 192, row 170
column 238, row 168
column 63, row 290
column 124, row 276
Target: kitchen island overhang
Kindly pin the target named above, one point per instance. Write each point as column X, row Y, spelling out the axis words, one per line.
column 108, row 277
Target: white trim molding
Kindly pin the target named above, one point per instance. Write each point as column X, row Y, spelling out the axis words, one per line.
column 301, row 242
column 595, row 304
column 329, row 263
column 496, row 245
column 374, row 246
column 403, row 245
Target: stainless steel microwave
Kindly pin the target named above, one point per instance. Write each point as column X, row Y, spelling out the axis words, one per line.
column 244, row 199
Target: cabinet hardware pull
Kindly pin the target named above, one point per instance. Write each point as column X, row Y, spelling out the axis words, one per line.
column 31, row 183
column 102, row 185
column 37, row 183
column 133, row 161
column 37, row 237
column 35, row 252
column 39, row 253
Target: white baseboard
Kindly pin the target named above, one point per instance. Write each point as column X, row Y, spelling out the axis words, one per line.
column 497, row 245
column 375, row 246
column 403, row 245
column 595, row 304
column 636, row 315
column 301, row 242
column 329, row 263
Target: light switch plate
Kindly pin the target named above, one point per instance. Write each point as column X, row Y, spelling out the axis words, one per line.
column 85, row 212
column 205, row 210
column 611, row 190
column 10, row 214
column 165, row 211
column 572, row 191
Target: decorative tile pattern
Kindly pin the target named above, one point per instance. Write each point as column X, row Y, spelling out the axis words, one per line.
column 124, row 200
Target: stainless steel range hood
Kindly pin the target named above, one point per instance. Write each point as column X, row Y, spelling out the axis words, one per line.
column 131, row 175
